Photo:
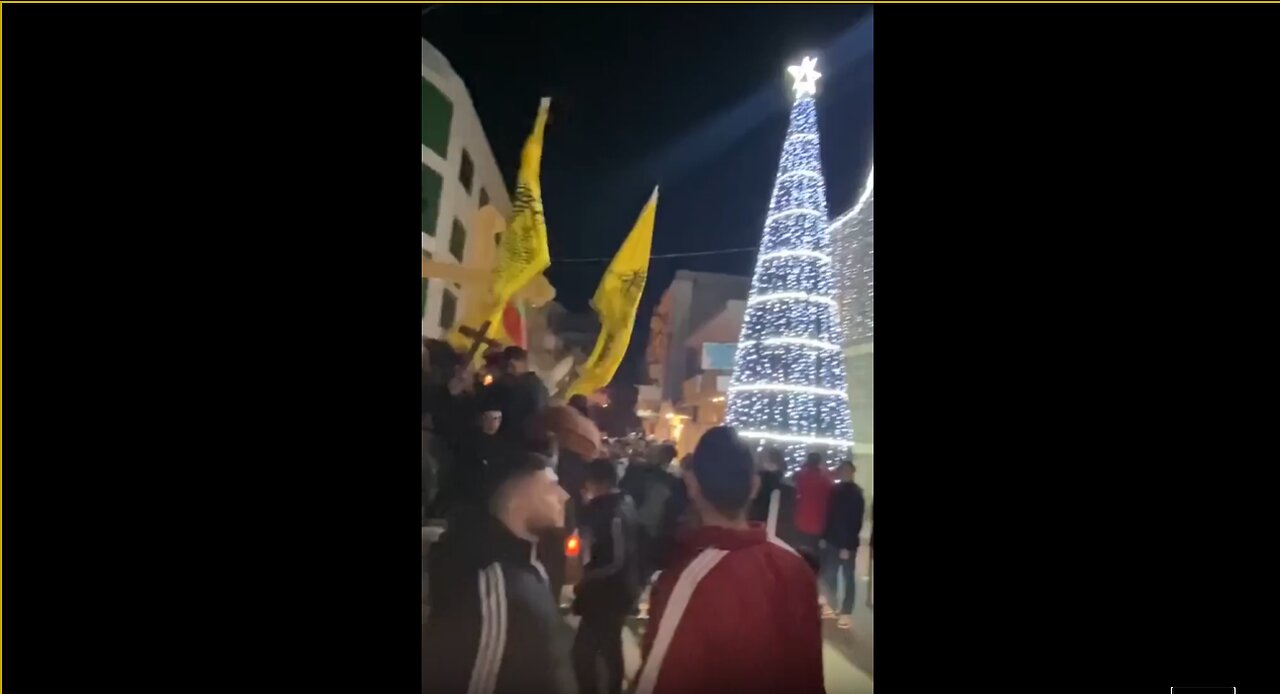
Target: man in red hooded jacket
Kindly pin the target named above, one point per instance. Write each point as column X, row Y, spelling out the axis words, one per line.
column 734, row 610
column 813, row 491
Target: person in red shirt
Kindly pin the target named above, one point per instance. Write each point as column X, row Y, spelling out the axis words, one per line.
column 813, row 491
column 735, row 609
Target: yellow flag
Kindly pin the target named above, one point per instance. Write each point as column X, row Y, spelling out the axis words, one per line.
column 616, row 301
column 522, row 251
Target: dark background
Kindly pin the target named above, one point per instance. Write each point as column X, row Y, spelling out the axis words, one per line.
column 212, row 326
column 694, row 98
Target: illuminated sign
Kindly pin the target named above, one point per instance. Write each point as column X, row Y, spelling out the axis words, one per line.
column 718, row 356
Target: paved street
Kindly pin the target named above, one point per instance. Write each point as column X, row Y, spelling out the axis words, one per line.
column 848, row 655
column 856, row 645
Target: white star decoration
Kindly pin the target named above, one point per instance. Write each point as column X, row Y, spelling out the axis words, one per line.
column 805, row 76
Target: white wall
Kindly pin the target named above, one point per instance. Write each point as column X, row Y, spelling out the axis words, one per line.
column 465, row 132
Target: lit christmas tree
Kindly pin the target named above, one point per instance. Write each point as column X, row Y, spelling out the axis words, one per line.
column 789, row 388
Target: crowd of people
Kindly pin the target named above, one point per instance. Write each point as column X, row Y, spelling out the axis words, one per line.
column 731, row 553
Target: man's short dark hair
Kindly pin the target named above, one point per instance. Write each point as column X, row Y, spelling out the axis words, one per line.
column 847, row 462
column 510, row 466
column 602, row 471
column 813, row 459
column 515, row 353
column 724, row 468
column 666, row 453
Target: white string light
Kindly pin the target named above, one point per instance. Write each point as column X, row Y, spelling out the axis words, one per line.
column 854, row 241
column 791, row 213
column 796, row 254
column 811, row 174
column 796, row 438
column 802, row 341
column 796, row 296
column 788, row 388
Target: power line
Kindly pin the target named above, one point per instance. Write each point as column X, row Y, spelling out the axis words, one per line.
column 660, row 255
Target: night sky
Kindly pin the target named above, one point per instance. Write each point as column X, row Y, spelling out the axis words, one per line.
column 693, row 98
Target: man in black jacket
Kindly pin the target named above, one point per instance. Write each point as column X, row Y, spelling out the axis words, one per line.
column 660, row 501
column 840, row 540
column 492, row 625
column 522, row 393
column 610, row 578
column 775, row 499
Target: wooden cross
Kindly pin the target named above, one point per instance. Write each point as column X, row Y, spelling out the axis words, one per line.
column 478, row 338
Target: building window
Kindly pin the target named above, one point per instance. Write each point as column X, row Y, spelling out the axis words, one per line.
column 448, row 309
column 484, row 197
column 458, row 240
column 430, row 199
column 467, row 173
column 497, row 240
column 437, row 116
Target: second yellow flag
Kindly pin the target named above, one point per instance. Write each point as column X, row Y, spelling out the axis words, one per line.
column 616, row 301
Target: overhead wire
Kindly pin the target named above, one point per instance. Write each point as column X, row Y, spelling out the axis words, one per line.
column 659, row 255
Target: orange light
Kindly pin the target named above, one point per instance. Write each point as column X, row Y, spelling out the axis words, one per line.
column 488, row 379
column 571, row 546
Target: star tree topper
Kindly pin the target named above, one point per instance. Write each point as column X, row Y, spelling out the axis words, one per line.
column 805, row 76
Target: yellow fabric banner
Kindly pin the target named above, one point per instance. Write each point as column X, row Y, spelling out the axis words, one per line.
column 522, row 253
column 616, row 301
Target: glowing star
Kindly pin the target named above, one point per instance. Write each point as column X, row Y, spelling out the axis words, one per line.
column 805, row 76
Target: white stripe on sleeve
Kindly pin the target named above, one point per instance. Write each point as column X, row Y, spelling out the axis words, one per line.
column 671, row 614
column 486, row 633
column 493, row 631
column 775, row 501
column 500, row 645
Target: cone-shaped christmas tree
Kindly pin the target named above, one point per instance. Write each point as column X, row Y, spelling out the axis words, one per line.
column 789, row 387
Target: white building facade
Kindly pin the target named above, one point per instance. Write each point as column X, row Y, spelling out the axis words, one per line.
column 459, row 176
column 853, row 241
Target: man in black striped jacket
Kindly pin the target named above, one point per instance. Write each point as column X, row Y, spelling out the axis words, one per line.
column 610, row 579
column 492, row 624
